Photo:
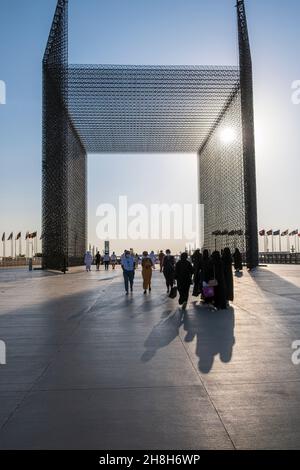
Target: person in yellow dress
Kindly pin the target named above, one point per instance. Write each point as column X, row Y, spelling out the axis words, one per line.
column 147, row 265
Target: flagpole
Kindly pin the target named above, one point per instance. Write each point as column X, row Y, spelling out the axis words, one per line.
column 265, row 243
column 272, row 243
column 27, row 247
column 280, row 242
column 35, row 245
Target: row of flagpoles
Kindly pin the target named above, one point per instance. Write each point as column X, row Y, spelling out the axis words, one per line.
column 31, row 239
column 278, row 233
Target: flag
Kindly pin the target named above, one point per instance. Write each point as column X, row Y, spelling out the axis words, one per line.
column 11, row 236
column 277, row 232
column 33, row 235
column 262, row 233
column 225, row 232
column 270, row 232
column 18, row 236
column 285, row 233
column 232, row 232
column 3, row 237
column 294, row 232
column 239, row 233
column 27, row 235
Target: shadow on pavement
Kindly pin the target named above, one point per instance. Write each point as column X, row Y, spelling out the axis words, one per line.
column 212, row 331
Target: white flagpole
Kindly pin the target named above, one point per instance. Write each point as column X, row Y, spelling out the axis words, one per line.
column 280, row 242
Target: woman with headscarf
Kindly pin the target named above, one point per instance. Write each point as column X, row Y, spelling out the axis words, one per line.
column 237, row 258
column 88, row 259
column 183, row 275
column 205, row 273
column 228, row 276
column 217, row 275
column 197, row 265
column 169, row 269
column 147, row 265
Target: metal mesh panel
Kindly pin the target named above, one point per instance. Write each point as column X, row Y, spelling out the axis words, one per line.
column 64, row 157
column 54, row 203
column 77, row 197
column 248, row 138
column 111, row 108
column 222, row 181
column 147, row 108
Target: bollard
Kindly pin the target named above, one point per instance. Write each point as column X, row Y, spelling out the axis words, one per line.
column 30, row 264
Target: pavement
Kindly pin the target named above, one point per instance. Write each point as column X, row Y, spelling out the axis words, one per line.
column 89, row 368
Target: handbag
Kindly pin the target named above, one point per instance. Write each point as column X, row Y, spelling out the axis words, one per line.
column 173, row 292
column 208, row 292
column 213, row 282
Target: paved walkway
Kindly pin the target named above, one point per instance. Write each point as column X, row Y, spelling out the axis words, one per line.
column 88, row 367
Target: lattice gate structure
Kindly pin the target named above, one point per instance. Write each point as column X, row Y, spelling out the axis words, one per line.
column 115, row 109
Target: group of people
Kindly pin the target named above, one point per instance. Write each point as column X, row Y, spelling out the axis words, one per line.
column 210, row 274
column 107, row 260
column 130, row 262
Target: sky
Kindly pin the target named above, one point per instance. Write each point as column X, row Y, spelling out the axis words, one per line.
column 149, row 32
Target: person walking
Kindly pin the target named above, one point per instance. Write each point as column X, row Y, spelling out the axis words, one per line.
column 183, row 275
column 217, row 275
column 106, row 259
column 98, row 260
column 137, row 260
column 147, row 266
column 205, row 275
column 161, row 260
column 113, row 260
column 153, row 258
column 169, row 270
column 228, row 276
column 238, row 262
column 88, row 259
column 128, row 265
column 197, row 266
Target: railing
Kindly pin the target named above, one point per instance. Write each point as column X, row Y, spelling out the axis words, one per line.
column 279, row 258
column 19, row 262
